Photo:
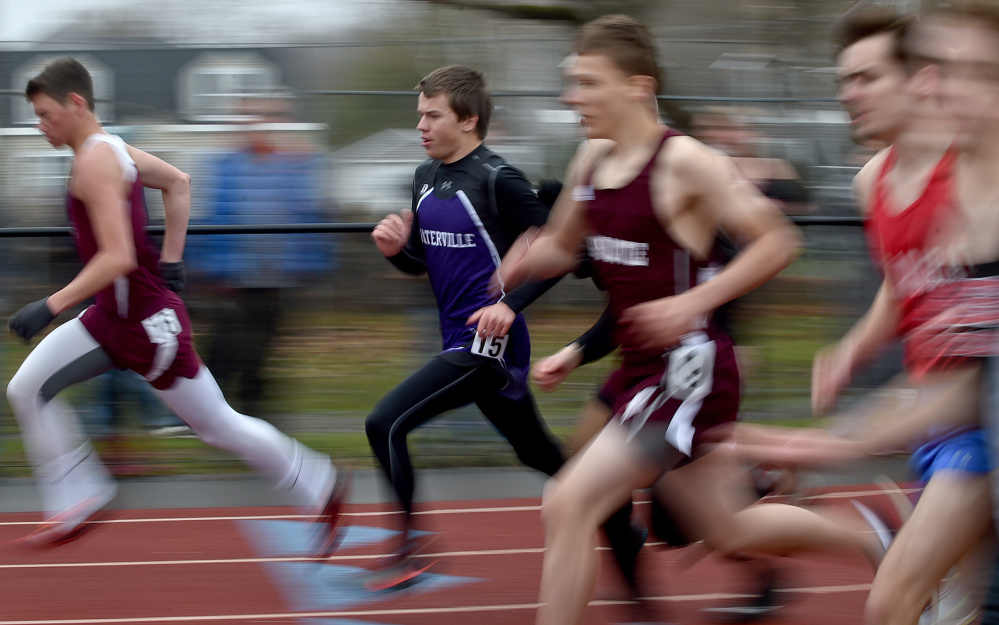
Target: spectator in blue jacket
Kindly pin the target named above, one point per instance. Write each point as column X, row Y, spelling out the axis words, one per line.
column 271, row 180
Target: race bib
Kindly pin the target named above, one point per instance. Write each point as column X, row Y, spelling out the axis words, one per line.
column 162, row 327
column 690, row 370
column 490, row 346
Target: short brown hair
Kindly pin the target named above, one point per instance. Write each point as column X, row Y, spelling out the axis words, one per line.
column 466, row 90
column 864, row 20
column 625, row 41
column 983, row 11
column 61, row 78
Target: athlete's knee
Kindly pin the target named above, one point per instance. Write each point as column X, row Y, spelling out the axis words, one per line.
column 21, row 393
column 727, row 537
column 880, row 607
column 377, row 428
column 545, row 458
column 724, row 546
column 562, row 508
column 894, row 598
column 876, row 611
column 219, row 426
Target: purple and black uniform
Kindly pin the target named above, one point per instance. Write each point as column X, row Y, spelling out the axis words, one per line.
column 467, row 214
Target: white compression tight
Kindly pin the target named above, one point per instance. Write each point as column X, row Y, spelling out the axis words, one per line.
column 67, row 470
column 58, row 449
column 291, row 466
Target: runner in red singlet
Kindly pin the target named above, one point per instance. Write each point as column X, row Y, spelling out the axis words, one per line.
column 918, row 231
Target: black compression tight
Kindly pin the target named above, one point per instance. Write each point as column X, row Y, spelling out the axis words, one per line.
column 440, row 386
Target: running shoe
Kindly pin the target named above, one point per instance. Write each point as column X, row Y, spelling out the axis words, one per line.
column 959, row 599
column 68, row 525
column 331, row 518
column 403, row 568
column 403, row 574
column 759, row 605
column 626, row 555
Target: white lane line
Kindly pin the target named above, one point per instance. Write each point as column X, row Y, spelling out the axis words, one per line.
column 382, row 513
column 332, row 559
column 293, row 517
column 506, row 607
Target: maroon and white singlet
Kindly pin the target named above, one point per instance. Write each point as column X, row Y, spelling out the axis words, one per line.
column 693, row 386
column 142, row 325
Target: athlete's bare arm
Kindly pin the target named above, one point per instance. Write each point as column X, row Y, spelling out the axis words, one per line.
column 834, row 365
column 97, row 182
column 553, row 250
column 898, row 419
column 696, row 193
column 863, row 182
column 175, row 187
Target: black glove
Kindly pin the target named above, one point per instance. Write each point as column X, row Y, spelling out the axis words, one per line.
column 173, row 274
column 31, row 319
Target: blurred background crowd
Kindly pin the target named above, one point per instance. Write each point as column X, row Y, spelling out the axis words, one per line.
column 303, row 112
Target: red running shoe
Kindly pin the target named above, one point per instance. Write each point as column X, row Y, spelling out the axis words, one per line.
column 66, row 526
column 331, row 518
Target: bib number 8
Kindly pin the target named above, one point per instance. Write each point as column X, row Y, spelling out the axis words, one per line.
column 490, row 346
column 161, row 327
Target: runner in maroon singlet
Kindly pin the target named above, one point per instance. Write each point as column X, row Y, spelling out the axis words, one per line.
column 137, row 322
column 650, row 203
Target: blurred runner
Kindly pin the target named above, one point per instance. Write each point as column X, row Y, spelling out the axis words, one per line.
column 138, row 322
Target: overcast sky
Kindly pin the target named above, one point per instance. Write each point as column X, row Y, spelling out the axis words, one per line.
column 220, row 20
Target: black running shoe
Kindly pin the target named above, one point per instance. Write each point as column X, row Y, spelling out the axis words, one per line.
column 403, row 568
column 762, row 604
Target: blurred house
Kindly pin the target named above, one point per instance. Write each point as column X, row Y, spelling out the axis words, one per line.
column 181, row 104
column 374, row 176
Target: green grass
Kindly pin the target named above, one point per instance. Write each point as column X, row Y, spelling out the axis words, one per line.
column 328, row 370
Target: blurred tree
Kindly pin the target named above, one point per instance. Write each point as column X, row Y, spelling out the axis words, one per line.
column 578, row 12
column 369, row 68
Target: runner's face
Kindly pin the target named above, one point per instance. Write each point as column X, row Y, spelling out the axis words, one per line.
column 967, row 54
column 598, row 90
column 872, row 89
column 444, row 136
column 54, row 119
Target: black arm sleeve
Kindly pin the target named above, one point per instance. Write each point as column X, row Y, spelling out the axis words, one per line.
column 598, row 341
column 525, row 294
column 519, row 207
column 516, row 202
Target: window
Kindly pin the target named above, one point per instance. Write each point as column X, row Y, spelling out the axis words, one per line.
column 213, row 86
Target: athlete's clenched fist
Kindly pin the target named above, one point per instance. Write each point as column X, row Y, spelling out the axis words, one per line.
column 392, row 233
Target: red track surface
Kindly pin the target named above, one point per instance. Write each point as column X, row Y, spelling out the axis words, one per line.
column 212, row 566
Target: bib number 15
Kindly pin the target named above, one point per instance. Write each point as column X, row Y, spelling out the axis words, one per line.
column 489, row 346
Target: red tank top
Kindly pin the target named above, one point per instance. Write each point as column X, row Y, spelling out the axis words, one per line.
column 141, row 293
column 913, row 248
column 633, row 256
